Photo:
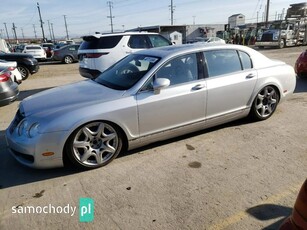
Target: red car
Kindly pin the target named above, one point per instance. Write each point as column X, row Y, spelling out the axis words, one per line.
column 301, row 64
column 298, row 218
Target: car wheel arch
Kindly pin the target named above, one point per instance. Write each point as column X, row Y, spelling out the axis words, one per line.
column 253, row 99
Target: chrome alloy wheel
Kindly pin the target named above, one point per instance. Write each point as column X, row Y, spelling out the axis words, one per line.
column 266, row 102
column 95, row 144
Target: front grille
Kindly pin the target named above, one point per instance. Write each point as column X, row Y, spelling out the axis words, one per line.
column 23, row 157
column 267, row 37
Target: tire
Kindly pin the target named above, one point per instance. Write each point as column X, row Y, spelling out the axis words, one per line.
column 94, row 145
column 282, row 44
column 24, row 72
column 68, row 59
column 265, row 103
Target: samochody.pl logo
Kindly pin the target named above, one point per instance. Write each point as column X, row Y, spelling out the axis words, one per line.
column 86, row 209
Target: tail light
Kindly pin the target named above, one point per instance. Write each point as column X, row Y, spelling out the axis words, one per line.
column 94, row 55
column 4, row 76
column 11, row 68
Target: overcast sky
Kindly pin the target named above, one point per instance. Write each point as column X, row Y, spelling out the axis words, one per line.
column 87, row 16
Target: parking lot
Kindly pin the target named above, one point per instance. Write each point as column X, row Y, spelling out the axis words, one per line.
column 242, row 175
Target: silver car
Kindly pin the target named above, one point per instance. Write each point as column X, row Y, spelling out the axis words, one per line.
column 148, row 96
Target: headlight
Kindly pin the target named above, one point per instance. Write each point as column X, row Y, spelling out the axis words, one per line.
column 27, row 129
column 33, row 131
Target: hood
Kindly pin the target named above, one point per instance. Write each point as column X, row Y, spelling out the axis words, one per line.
column 69, row 96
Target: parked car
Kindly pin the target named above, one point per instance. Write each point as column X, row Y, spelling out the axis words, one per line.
column 215, row 40
column 26, row 63
column 301, row 65
column 8, row 89
column 298, row 219
column 48, row 47
column 14, row 72
column 19, row 48
column 36, row 51
column 98, row 52
column 148, row 96
column 66, row 54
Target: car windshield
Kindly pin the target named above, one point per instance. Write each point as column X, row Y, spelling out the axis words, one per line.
column 125, row 73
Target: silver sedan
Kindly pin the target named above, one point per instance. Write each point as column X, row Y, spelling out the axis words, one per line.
column 148, row 96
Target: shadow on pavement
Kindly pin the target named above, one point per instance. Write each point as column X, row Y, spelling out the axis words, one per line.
column 14, row 174
column 26, row 93
column 270, row 211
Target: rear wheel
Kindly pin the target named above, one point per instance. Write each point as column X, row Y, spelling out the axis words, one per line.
column 23, row 71
column 94, row 144
column 68, row 60
column 265, row 103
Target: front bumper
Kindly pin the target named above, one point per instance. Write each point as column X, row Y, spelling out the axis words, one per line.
column 29, row 151
column 33, row 68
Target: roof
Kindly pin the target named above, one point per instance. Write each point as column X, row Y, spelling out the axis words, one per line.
column 98, row 35
column 175, row 50
column 236, row 15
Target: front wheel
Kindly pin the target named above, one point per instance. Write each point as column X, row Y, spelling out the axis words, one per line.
column 94, row 145
column 23, row 71
column 265, row 103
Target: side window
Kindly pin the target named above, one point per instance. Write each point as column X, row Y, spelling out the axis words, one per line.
column 138, row 42
column 180, row 70
column 158, row 41
column 246, row 61
column 221, row 62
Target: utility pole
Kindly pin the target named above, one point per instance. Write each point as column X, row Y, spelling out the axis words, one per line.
column 67, row 36
column 49, row 29
column 267, row 13
column 194, row 20
column 23, row 36
column 34, row 31
column 7, row 34
column 41, row 21
column 110, row 4
column 52, row 32
column 14, row 30
column 172, row 7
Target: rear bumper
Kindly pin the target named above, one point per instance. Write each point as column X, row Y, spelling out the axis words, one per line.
column 9, row 95
column 89, row 73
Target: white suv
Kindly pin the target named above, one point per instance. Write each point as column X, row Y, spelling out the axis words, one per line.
column 99, row 51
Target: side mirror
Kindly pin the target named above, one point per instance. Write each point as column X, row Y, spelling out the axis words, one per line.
column 160, row 83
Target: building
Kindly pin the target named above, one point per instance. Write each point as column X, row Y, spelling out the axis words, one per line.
column 187, row 33
column 236, row 20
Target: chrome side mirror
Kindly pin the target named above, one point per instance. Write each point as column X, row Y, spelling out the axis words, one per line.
column 160, row 83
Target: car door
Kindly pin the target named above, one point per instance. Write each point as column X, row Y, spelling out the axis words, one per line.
column 182, row 103
column 230, row 83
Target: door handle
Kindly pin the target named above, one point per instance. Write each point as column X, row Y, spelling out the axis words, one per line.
column 198, row 87
column 251, row 75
